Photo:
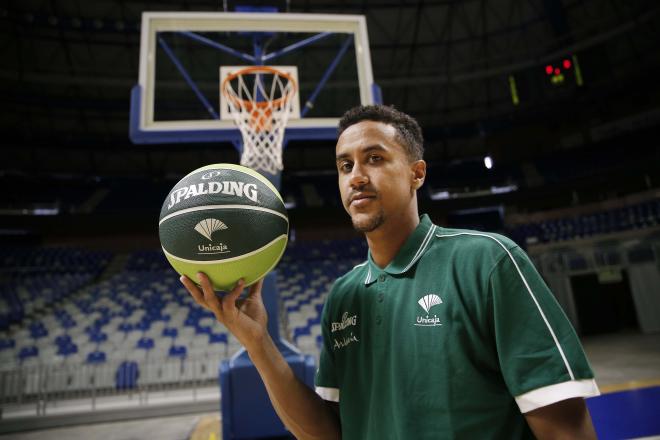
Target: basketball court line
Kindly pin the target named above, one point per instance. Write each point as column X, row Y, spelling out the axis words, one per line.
column 629, row 386
column 207, row 428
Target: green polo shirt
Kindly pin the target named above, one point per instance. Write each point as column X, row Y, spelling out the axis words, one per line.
column 456, row 338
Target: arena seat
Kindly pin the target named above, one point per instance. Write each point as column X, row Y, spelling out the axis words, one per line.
column 127, row 375
column 96, row 357
column 637, row 216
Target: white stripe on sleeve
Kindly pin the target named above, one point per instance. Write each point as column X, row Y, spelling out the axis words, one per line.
column 331, row 394
column 550, row 394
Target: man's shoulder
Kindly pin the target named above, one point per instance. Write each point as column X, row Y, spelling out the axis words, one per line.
column 355, row 275
column 472, row 243
column 350, row 279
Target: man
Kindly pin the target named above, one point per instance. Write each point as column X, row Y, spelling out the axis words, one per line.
column 441, row 333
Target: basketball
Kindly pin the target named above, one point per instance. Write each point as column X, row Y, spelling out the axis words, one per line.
column 225, row 220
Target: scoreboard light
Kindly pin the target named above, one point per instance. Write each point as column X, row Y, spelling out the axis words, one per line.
column 556, row 72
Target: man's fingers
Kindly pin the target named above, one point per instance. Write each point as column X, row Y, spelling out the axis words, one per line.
column 230, row 300
column 209, row 295
column 255, row 289
column 194, row 291
column 206, row 297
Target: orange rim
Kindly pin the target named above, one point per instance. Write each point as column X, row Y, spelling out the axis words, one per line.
column 257, row 69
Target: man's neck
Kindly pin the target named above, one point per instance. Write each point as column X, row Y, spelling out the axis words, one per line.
column 386, row 241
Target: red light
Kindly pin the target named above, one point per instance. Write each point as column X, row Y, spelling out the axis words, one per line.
column 548, row 69
column 567, row 64
column 557, row 71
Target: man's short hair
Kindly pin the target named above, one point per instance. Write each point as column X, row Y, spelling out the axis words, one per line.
column 409, row 133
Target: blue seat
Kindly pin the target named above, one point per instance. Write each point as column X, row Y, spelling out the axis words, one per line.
column 63, row 339
column 125, row 327
column 96, row 357
column 143, row 326
column 203, row 329
column 170, row 332
column 127, row 375
column 191, row 321
column 218, row 338
column 27, row 352
column 300, row 331
column 98, row 337
column 38, row 331
column 145, row 343
column 5, row 321
column 178, row 351
column 157, row 316
column 7, row 343
column 67, row 349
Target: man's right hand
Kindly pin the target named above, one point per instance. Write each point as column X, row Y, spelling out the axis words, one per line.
column 246, row 318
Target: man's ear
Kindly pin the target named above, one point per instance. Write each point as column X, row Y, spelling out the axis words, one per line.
column 418, row 173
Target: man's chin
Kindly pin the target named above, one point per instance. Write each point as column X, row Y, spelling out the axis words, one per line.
column 368, row 223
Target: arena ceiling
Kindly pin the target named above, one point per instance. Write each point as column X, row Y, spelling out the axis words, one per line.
column 68, row 65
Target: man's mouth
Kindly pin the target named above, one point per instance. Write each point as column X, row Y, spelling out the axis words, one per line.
column 359, row 200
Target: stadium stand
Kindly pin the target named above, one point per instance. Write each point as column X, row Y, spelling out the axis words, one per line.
column 70, row 314
column 75, row 326
column 637, row 216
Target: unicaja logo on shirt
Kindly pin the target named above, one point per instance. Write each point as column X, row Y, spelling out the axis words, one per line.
column 427, row 302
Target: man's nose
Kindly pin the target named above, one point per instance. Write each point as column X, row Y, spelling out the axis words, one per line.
column 358, row 177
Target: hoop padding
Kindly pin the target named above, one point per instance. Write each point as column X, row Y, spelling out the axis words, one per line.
column 261, row 110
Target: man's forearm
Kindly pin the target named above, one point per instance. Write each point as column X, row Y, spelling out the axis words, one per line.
column 303, row 412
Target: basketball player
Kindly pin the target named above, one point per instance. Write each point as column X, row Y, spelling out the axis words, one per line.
column 441, row 333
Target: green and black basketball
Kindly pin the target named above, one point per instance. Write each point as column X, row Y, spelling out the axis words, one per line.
column 225, row 220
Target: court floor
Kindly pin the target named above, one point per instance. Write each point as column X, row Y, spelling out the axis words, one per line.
column 627, row 368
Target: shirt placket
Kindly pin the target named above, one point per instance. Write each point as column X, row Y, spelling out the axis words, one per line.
column 380, row 315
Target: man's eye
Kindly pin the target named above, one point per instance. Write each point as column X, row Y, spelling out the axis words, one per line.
column 346, row 166
column 374, row 158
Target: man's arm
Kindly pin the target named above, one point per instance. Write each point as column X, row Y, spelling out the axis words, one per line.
column 567, row 419
column 303, row 412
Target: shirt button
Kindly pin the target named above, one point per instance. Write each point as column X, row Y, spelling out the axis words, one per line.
column 381, row 278
column 378, row 320
column 380, row 297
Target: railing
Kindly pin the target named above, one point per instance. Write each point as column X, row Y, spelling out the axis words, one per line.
column 586, row 259
column 46, row 385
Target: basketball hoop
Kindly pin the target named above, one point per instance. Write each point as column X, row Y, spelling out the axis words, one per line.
column 260, row 100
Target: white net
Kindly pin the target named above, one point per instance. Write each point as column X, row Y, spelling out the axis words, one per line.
column 260, row 100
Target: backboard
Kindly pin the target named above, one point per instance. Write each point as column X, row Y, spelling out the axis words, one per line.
column 178, row 99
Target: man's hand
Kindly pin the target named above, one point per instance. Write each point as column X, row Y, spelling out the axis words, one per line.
column 244, row 318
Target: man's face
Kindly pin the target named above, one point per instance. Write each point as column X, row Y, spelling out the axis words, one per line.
column 377, row 181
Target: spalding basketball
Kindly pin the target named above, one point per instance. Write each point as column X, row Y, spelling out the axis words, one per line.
column 225, row 220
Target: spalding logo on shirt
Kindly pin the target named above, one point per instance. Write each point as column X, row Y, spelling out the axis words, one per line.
column 344, row 340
